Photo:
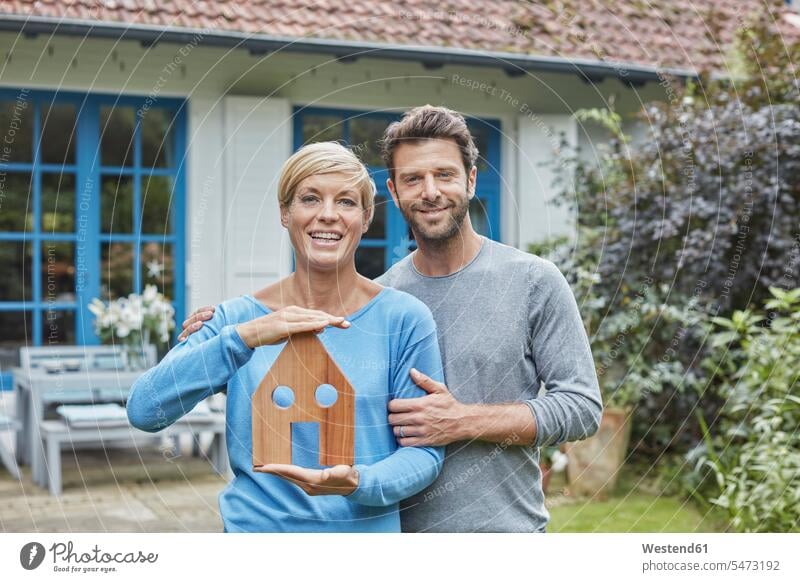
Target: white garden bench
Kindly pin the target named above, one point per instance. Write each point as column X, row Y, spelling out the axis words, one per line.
column 97, row 376
column 57, row 433
column 99, row 380
column 88, row 357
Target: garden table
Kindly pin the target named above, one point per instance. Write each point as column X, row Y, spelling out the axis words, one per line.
column 37, row 388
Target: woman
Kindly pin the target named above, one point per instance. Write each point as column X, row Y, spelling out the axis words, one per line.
column 376, row 335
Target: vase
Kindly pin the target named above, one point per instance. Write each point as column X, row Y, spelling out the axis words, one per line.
column 134, row 358
column 594, row 463
column 136, row 353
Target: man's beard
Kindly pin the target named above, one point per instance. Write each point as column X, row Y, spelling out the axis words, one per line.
column 440, row 233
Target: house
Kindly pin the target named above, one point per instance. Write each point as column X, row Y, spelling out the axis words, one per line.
column 304, row 385
column 142, row 141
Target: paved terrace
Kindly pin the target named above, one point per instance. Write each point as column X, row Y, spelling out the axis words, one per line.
column 135, row 489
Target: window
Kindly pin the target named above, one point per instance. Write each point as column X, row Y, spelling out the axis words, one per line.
column 389, row 239
column 91, row 205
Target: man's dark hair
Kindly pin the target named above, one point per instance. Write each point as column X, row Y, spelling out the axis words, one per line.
column 429, row 122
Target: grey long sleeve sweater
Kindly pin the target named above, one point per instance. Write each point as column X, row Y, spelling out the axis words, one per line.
column 507, row 323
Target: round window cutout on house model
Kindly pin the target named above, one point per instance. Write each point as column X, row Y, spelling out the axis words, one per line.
column 283, row 396
column 326, row 395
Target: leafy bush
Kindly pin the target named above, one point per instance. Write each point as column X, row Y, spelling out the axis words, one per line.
column 625, row 340
column 698, row 218
column 750, row 467
column 678, row 235
column 712, row 199
column 638, row 337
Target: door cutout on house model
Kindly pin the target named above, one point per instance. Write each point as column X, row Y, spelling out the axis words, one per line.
column 304, row 385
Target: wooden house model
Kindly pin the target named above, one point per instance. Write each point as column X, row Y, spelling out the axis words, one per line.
column 305, row 368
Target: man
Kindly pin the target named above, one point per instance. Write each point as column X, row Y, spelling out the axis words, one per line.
column 507, row 322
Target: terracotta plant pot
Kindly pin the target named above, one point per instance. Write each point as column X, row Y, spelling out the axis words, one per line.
column 594, row 463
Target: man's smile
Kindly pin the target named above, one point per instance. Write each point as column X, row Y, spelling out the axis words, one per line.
column 431, row 211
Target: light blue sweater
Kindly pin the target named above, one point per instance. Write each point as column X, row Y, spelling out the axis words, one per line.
column 391, row 334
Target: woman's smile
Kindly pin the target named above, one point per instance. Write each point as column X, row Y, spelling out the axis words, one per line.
column 326, row 239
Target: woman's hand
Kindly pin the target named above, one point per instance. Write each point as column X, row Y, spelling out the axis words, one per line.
column 280, row 325
column 336, row 480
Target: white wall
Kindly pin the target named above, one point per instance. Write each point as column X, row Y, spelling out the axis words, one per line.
column 205, row 202
column 539, row 140
column 258, row 139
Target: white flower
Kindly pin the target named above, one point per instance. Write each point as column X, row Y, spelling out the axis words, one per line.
column 150, row 294
column 163, row 330
column 154, row 269
column 97, row 307
column 132, row 315
column 136, row 317
column 134, row 302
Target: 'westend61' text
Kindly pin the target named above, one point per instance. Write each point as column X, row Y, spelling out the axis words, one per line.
column 675, row 549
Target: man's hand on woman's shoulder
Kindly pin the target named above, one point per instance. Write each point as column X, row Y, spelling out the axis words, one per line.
column 195, row 321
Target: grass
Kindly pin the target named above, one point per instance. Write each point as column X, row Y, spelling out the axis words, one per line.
column 635, row 506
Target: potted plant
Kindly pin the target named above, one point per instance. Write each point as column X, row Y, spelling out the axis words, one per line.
column 631, row 332
column 135, row 321
column 636, row 357
column 594, row 464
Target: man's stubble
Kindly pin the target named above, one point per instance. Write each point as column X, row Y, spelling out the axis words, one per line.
column 455, row 220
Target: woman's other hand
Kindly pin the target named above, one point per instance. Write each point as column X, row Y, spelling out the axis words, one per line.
column 336, row 480
column 280, row 325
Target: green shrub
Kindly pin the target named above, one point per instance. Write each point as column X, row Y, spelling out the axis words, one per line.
column 698, row 218
column 638, row 336
column 750, row 465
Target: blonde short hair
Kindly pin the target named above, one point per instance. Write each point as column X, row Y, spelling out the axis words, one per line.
column 326, row 157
